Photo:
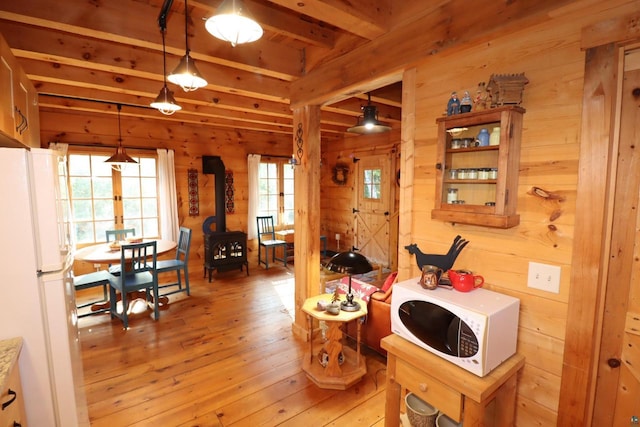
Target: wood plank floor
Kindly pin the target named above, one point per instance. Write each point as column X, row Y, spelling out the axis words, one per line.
column 225, row 356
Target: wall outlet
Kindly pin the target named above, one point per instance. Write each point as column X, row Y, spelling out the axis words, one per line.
column 544, row 277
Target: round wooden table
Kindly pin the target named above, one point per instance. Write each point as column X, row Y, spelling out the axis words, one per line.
column 102, row 254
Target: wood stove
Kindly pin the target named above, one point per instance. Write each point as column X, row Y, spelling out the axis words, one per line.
column 223, row 250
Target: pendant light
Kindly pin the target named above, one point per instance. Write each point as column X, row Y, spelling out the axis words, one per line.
column 165, row 103
column 233, row 23
column 369, row 122
column 121, row 157
column 186, row 75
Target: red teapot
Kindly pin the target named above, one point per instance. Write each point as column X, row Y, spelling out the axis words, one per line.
column 464, row 280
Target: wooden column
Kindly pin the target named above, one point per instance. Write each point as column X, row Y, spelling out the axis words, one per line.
column 582, row 336
column 407, row 160
column 306, row 150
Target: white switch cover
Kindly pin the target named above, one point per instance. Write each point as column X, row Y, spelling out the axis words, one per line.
column 544, row 277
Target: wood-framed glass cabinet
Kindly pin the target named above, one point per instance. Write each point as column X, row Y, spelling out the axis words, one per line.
column 477, row 182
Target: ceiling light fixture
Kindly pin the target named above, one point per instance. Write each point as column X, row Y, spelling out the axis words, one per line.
column 368, row 122
column 186, row 75
column 120, row 158
column 165, row 102
column 233, row 23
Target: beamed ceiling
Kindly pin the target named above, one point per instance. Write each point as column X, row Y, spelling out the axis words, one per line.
column 77, row 52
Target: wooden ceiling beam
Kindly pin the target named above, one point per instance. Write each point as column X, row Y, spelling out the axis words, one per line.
column 366, row 18
column 228, row 102
column 105, row 22
column 278, row 22
column 384, row 59
column 114, row 81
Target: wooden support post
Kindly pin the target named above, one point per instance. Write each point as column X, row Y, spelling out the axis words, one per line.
column 306, row 151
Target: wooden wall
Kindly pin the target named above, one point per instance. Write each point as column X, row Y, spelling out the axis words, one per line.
column 337, row 201
column 550, row 56
column 190, row 143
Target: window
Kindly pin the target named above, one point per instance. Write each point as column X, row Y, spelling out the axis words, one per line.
column 103, row 198
column 276, row 188
column 372, row 183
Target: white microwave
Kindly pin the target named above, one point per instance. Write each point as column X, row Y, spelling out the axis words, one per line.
column 475, row 330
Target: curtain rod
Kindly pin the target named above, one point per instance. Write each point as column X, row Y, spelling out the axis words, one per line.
column 98, row 145
column 273, row 155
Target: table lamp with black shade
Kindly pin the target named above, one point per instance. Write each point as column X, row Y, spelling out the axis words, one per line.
column 349, row 263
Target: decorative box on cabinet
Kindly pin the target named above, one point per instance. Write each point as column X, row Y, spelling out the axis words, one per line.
column 225, row 251
column 486, row 182
column 11, row 397
column 19, row 116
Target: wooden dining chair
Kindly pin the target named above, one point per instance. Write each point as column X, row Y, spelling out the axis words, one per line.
column 178, row 264
column 267, row 240
column 138, row 261
column 117, row 236
column 92, row 280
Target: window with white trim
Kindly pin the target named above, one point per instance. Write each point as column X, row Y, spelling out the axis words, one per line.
column 276, row 191
column 103, row 198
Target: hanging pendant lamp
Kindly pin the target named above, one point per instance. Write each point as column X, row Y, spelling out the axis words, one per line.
column 186, row 75
column 165, row 103
column 233, row 23
column 369, row 122
column 120, row 158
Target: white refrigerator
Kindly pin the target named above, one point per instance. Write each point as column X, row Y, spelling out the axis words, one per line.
column 37, row 300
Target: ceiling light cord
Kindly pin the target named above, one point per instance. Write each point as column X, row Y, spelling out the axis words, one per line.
column 165, row 102
column 186, row 74
column 120, row 158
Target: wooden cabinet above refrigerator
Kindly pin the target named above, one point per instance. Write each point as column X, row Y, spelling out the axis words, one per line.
column 19, row 115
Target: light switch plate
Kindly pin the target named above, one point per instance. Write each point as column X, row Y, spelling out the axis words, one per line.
column 544, row 277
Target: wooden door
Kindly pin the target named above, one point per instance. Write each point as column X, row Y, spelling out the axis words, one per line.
column 373, row 207
column 618, row 380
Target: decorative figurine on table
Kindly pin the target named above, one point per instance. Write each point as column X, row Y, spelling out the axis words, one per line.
column 465, row 104
column 482, row 97
column 453, row 107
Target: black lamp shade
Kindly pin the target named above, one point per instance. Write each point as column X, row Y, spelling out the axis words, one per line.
column 349, row 263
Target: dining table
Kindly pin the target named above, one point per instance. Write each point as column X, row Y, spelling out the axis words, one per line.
column 104, row 253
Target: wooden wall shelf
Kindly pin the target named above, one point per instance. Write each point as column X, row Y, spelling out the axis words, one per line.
column 481, row 200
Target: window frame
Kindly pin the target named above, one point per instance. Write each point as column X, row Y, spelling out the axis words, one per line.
column 285, row 193
column 118, row 221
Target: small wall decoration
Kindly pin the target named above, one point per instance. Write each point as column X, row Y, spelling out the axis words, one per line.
column 340, row 172
column 506, row 88
column 228, row 192
column 192, row 178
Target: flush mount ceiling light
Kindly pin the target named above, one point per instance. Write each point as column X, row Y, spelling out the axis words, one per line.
column 120, row 158
column 233, row 23
column 369, row 122
column 186, row 75
column 165, row 103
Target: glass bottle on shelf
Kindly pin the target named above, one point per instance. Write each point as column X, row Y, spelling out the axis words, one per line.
column 494, row 138
column 452, row 195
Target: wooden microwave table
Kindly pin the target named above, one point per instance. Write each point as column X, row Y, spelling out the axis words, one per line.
column 463, row 396
column 337, row 375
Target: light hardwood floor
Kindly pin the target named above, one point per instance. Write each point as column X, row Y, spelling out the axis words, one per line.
column 225, row 356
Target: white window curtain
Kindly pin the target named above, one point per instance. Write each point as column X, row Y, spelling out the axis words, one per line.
column 167, row 197
column 253, row 163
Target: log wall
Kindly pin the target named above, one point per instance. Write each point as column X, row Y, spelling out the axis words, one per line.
column 550, row 55
column 190, row 143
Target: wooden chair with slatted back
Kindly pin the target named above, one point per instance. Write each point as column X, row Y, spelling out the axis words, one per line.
column 267, row 240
